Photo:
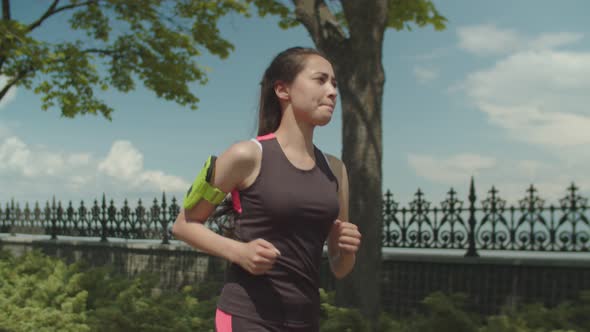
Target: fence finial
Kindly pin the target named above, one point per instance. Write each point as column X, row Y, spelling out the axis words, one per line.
column 471, row 251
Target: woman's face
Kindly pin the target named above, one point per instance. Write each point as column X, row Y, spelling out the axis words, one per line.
column 313, row 91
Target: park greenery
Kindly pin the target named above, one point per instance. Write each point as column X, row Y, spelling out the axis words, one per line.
column 43, row 293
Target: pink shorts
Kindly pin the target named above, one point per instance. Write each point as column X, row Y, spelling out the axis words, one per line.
column 225, row 322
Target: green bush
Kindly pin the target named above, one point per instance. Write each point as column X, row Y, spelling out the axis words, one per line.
column 38, row 293
column 118, row 304
column 444, row 313
column 567, row 317
column 41, row 293
column 335, row 319
column 449, row 313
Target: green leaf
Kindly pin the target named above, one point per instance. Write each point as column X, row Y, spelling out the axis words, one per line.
column 154, row 42
column 419, row 12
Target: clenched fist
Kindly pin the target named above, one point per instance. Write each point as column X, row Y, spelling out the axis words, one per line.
column 257, row 256
column 347, row 236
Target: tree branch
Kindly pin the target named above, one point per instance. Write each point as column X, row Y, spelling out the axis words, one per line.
column 115, row 54
column 6, row 10
column 99, row 51
column 15, row 80
column 366, row 17
column 319, row 21
column 52, row 10
column 5, row 17
column 23, row 73
column 305, row 12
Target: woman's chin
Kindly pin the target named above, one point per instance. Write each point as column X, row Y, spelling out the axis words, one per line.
column 323, row 122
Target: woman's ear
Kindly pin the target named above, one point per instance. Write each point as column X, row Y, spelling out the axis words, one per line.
column 282, row 90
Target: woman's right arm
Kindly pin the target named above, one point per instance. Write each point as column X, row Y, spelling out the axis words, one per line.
column 232, row 169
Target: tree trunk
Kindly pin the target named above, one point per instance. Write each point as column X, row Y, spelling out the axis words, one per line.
column 6, row 10
column 357, row 61
column 361, row 90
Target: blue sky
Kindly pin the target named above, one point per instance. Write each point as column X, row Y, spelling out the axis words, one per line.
column 501, row 94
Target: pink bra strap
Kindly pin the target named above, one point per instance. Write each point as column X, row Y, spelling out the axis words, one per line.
column 266, row 137
column 235, row 195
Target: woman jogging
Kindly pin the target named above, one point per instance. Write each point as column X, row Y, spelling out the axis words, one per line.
column 289, row 197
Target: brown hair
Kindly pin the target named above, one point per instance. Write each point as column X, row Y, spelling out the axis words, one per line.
column 284, row 67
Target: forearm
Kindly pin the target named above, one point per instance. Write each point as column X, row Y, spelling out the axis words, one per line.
column 342, row 263
column 200, row 237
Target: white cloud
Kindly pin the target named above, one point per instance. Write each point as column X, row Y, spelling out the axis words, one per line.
column 162, row 182
column 431, row 55
column 124, row 161
column 15, row 156
column 554, row 130
column 539, row 97
column 449, row 170
column 125, row 164
column 550, row 41
column 535, row 93
column 424, row 75
column 487, row 39
column 4, row 131
column 530, row 168
column 36, row 173
column 511, row 178
column 10, row 95
column 18, row 159
column 79, row 159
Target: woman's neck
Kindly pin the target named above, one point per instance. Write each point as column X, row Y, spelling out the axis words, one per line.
column 295, row 136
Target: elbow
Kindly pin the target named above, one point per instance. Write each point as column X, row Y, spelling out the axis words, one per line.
column 342, row 265
column 177, row 227
column 339, row 271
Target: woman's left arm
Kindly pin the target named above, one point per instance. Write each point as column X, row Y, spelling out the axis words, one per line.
column 344, row 238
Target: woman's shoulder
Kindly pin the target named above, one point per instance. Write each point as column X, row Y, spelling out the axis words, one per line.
column 335, row 163
column 243, row 153
column 337, row 166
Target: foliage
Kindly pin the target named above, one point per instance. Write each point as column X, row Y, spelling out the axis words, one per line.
column 41, row 293
column 156, row 42
column 449, row 313
column 419, row 12
column 445, row 313
column 568, row 316
column 335, row 319
column 119, row 304
column 114, row 43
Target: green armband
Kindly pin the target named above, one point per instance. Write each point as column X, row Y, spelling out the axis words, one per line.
column 202, row 189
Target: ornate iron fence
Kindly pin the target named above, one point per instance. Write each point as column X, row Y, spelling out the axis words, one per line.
column 491, row 225
column 99, row 220
column 528, row 226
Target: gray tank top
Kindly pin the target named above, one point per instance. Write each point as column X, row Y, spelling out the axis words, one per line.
column 294, row 210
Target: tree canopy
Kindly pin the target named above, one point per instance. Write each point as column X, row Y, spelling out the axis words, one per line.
column 156, row 42
column 118, row 42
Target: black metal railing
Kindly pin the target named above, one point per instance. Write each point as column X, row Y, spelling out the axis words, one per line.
column 99, row 220
column 528, row 226
column 489, row 225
